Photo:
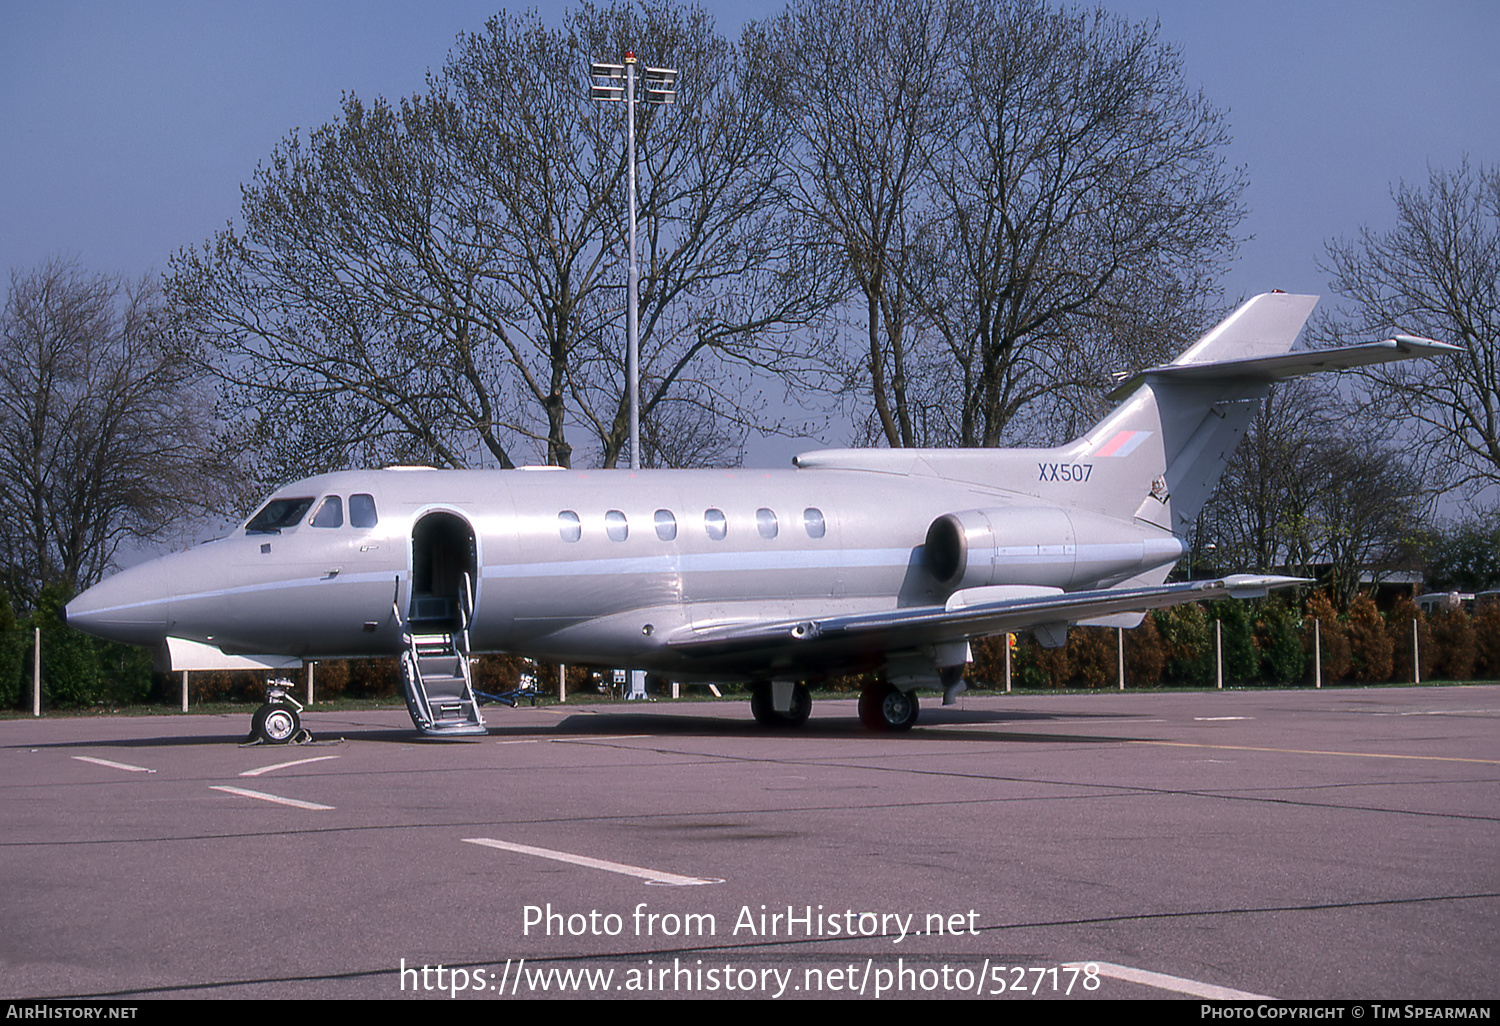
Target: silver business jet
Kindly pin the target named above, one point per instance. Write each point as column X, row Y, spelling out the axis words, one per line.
column 879, row 560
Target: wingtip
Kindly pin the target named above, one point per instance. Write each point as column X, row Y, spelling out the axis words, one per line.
column 1243, row 586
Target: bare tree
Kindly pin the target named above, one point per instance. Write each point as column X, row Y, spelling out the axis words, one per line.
column 1025, row 200
column 1315, row 484
column 858, row 80
column 1436, row 274
column 1261, row 516
column 1370, row 513
column 438, row 279
column 105, row 428
column 1079, row 184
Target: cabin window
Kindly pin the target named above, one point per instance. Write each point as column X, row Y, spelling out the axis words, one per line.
column 812, row 519
column 666, row 525
column 362, row 511
column 615, row 525
column 714, row 524
column 330, row 514
column 568, row 526
column 765, row 523
column 278, row 515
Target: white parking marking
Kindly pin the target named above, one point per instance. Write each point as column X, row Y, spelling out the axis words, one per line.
column 284, row 765
column 114, row 765
column 293, row 802
column 1176, row 984
column 1216, row 719
column 1440, row 712
column 649, row 875
column 1311, row 751
column 596, row 737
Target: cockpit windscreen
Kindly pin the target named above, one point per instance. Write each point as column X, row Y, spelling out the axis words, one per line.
column 279, row 514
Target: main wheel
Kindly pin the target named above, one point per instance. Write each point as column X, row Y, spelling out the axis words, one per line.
column 275, row 724
column 885, row 707
column 801, row 707
column 762, row 707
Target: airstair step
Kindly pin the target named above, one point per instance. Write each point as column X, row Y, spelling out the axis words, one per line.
column 450, row 728
column 439, row 695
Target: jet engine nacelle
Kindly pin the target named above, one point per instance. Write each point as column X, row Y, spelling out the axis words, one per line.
column 1044, row 545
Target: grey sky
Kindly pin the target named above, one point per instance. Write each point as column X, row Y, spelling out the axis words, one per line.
column 126, row 129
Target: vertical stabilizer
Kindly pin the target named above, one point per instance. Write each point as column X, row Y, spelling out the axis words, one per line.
column 1165, row 446
column 1266, row 325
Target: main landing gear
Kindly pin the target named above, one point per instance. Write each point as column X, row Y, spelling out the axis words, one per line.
column 763, row 705
column 279, row 721
column 884, row 706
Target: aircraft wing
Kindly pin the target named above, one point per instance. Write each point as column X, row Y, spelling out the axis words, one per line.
column 973, row 613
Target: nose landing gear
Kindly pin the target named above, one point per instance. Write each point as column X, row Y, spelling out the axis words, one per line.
column 279, row 721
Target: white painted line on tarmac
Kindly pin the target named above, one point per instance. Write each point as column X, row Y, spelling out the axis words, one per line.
column 523, row 741
column 293, row 802
column 1312, row 751
column 596, row 737
column 655, row 876
column 285, row 765
column 114, row 765
column 1176, row 984
column 1441, row 712
column 1217, row 719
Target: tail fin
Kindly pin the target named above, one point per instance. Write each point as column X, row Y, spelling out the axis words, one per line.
column 1179, row 425
column 1266, row 325
column 1158, row 456
column 1167, row 444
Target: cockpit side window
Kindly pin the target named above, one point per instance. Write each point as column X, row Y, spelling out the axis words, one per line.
column 362, row 511
column 330, row 514
column 278, row 515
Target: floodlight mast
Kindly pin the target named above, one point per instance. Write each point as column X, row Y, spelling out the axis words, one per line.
column 614, row 83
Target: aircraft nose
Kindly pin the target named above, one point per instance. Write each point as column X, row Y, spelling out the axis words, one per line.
column 133, row 607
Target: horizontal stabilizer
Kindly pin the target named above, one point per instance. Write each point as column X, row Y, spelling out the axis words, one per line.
column 1271, row 369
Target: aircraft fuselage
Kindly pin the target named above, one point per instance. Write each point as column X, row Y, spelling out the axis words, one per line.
column 598, row 566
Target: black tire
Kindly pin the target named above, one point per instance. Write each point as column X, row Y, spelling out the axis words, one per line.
column 765, row 712
column 275, row 724
column 885, row 707
column 801, row 707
